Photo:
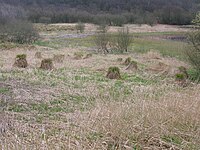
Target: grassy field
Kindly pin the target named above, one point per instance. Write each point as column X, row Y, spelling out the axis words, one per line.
column 74, row 106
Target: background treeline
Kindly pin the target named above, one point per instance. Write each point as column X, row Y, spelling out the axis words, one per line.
column 111, row 12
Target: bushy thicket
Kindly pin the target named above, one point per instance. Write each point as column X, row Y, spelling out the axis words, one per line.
column 102, row 38
column 18, row 31
column 122, row 40
column 80, row 27
column 113, row 12
column 14, row 27
column 107, row 43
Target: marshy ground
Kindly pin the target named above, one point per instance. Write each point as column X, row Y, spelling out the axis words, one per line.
column 74, row 106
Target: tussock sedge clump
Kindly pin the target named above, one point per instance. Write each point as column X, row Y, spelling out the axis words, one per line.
column 47, row 64
column 113, row 73
column 20, row 61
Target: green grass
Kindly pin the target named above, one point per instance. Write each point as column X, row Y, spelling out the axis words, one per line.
column 16, row 108
column 65, row 42
column 3, row 90
column 194, row 75
column 140, row 43
column 50, row 44
column 165, row 47
column 172, row 139
column 159, row 33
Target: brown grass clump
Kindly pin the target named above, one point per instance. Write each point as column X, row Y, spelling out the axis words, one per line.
column 113, row 73
column 132, row 66
column 59, row 58
column 127, row 61
column 20, row 61
column 38, row 55
column 47, row 64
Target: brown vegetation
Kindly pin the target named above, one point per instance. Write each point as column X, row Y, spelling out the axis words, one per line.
column 20, row 61
column 47, row 64
column 113, row 73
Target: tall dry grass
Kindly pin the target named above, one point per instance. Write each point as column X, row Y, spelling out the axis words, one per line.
column 169, row 122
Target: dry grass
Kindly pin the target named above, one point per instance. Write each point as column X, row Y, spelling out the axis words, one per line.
column 75, row 106
column 141, row 123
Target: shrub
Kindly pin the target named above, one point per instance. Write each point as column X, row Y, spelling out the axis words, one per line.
column 193, row 52
column 101, row 40
column 197, row 19
column 18, row 31
column 80, row 27
column 118, row 20
column 123, row 40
